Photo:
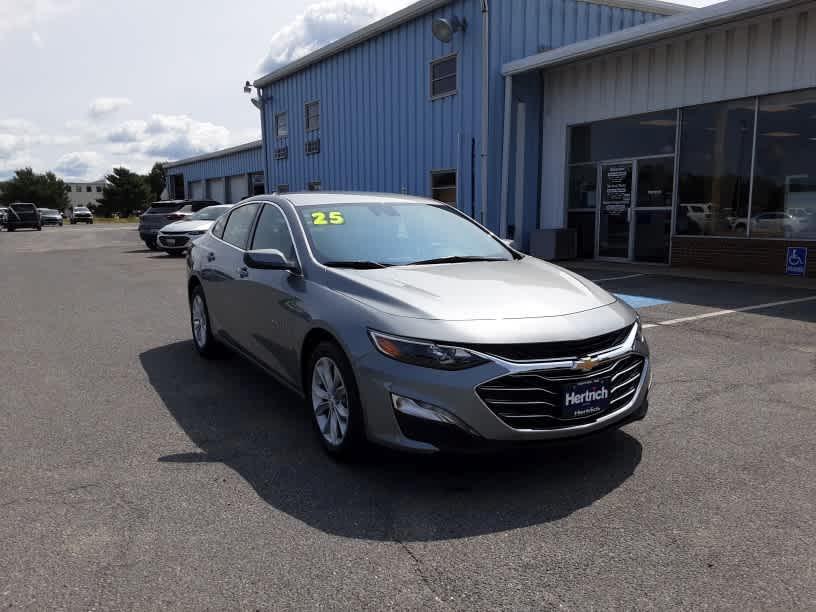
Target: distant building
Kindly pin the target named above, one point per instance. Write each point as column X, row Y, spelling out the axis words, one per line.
column 85, row 194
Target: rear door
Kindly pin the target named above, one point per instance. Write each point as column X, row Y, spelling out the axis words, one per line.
column 226, row 270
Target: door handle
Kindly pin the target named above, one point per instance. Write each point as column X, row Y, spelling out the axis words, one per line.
column 243, row 272
column 211, row 257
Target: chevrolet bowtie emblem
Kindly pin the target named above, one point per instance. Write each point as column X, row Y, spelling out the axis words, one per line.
column 586, row 364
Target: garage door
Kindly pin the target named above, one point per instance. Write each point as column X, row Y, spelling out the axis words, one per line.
column 197, row 190
column 238, row 187
column 217, row 192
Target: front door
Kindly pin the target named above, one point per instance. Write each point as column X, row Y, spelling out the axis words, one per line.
column 634, row 216
column 614, row 222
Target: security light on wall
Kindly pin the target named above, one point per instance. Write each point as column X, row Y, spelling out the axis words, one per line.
column 444, row 29
column 247, row 87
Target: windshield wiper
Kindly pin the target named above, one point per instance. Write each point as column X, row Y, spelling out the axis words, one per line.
column 455, row 259
column 355, row 265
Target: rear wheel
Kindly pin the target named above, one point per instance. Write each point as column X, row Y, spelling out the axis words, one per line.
column 335, row 401
column 205, row 343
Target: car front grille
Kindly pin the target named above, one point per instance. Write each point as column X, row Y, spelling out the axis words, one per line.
column 543, row 351
column 533, row 400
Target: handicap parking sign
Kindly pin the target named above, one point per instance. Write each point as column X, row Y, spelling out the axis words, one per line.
column 796, row 262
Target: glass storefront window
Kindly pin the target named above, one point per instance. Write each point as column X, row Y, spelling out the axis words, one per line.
column 784, row 200
column 715, row 168
column 583, row 186
column 655, row 183
column 637, row 136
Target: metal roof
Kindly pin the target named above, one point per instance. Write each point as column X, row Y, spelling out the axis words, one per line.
column 255, row 144
column 676, row 25
column 421, row 8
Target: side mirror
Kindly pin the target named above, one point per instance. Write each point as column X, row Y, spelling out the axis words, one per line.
column 269, row 259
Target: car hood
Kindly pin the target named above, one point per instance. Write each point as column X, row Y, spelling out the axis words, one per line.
column 188, row 226
column 518, row 289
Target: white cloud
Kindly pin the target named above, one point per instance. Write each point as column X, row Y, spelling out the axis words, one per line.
column 81, row 165
column 167, row 137
column 37, row 40
column 322, row 23
column 17, row 136
column 25, row 14
column 102, row 107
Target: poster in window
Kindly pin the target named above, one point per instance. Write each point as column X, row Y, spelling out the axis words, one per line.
column 617, row 189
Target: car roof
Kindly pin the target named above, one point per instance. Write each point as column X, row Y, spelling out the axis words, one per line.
column 308, row 198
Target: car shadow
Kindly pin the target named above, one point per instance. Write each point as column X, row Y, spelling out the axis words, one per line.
column 238, row 416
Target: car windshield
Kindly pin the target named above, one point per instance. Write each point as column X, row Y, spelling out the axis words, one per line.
column 211, row 213
column 81, row 209
column 401, row 233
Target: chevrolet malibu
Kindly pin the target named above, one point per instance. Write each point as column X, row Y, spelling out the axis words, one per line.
column 402, row 321
column 174, row 238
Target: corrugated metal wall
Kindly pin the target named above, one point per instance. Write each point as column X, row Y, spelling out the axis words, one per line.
column 379, row 128
column 241, row 162
column 768, row 54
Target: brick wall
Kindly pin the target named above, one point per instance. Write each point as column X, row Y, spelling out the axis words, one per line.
column 739, row 255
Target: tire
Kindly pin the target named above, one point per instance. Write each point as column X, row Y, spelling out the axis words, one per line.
column 39, row 228
column 151, row 244
column 327, row 361
column 203, row 340
column 11, row 228
column 91, row 221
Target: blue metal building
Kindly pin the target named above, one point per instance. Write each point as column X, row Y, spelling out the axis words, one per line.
column 393, row 108
column 226, row 176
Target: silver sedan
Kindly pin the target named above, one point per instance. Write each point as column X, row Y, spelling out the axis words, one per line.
column 404, row 322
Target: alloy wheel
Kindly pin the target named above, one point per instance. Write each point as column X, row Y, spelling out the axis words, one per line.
column 199, row 314
column 330, row 401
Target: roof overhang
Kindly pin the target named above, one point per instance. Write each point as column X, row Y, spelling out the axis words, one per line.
column 647, row 33
column 418, row 9
column 255, row 144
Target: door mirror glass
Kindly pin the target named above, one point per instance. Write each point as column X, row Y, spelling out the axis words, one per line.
column 269, row 259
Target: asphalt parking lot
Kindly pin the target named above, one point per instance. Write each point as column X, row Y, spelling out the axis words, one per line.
column 134, row 475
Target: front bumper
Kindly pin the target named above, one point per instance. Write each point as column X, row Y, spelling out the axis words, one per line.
column 173, row 242
column 456, row 392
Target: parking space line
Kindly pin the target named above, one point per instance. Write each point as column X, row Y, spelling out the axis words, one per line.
column 617, row 278
column 720, row 313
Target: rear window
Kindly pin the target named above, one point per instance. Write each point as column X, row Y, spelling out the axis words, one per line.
column 197, row 205
column 163, row 209
column 23, row 207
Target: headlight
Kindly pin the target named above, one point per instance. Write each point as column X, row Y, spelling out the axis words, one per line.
column 640, row 336
column 425, row 354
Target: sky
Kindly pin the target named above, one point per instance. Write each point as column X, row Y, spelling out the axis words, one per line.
column 93, row 84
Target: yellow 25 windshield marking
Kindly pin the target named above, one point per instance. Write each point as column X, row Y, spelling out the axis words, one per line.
column 332, row 218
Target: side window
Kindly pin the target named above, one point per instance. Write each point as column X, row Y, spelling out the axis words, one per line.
column 238, row 225
column 273, row 232
column 218, row 227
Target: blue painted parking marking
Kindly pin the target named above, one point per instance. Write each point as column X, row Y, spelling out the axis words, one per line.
column 640, row 301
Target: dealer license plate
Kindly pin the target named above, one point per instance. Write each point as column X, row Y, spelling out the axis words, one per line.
column 586, row 399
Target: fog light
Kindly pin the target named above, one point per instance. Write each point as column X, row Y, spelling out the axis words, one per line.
column 429, row 412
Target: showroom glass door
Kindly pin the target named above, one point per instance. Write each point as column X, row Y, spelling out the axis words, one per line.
column 651, row 223
column 615, row 211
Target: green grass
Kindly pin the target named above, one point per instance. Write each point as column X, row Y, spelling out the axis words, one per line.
column 120, row 220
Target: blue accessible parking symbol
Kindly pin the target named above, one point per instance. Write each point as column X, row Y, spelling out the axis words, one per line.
column 796, row 262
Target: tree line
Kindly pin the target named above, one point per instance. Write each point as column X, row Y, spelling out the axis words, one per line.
column 125, row 192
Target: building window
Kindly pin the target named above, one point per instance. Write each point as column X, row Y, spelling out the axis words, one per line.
column 443, row 186
column 314, row 186
column 258, row 185
column 312, row 116
column 444, row 77
column 784, row 194
column 281, row 153
column 284, row 188
column 312, row 147
column 89, row 189
column 281, row 125
column 714, row 170
column 98, row 189
column 652, row 134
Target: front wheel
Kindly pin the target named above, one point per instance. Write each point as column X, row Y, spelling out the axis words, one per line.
column 205, row 343
column 335, row 401
column 39, row 228
column 151, row 244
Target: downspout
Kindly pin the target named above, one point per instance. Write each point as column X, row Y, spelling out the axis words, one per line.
column 264, row 140
column 485, row 103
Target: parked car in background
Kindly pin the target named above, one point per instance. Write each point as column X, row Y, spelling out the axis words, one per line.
column 3, row 216
column 403, row 321
column 80, row 214
column 176, row 237
column 49, row 216
column 161, row 213
column 773, row 224
column 23, row 215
